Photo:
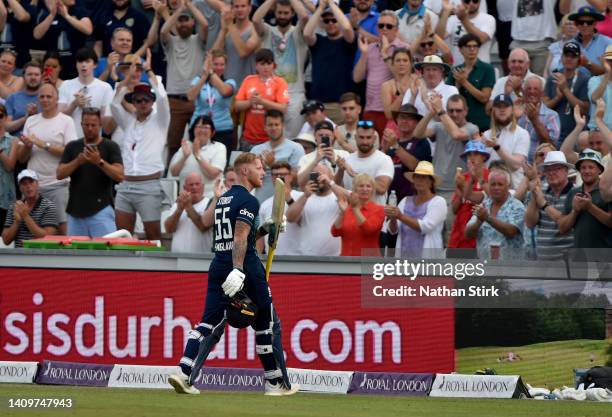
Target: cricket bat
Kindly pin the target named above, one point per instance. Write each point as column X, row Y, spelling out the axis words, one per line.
column 278, row 211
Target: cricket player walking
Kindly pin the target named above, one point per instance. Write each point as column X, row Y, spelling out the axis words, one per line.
column 235, row 267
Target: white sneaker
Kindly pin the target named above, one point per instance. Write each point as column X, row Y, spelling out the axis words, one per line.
column 280, row 389
column 180, row 384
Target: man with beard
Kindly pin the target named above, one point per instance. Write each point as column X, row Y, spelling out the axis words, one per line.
column 185, row 53
column 586, row 211
column 367, row 160
column 290, row 50
column 235, row 266
column 364, row 20
column 24, row 103
column 336, row 46
column 119, row 15
column 507, row 140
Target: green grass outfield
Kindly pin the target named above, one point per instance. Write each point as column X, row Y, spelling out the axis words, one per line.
column 542, row 365
column 110, row 402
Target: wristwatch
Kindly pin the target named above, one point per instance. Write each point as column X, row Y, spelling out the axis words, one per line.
column 47, row 146
column 441, row 113
column 496, row 147
column 101, row 163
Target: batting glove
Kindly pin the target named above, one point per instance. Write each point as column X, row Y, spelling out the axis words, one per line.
column 267, row 225
column 233, row 283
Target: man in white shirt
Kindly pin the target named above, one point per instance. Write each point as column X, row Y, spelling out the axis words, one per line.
column 185, row 223
column 368, row 160
column 315, row 211
column 324, row 152
column 86, row 91
column 467, row 18
column 507, row 140
column 44, row 137
column 412, row 18
column 289, row 241
column 434, row 71
column 512, row 84
column 142, row 152
column 534, row 28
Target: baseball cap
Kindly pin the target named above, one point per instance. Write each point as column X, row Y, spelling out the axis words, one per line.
column 324, row 124
column 142, row 88
column 27, row 173
column 312, row 105
column 502, row 99
column 571, row 48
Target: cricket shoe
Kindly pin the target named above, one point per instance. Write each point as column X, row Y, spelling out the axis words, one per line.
column 179, row 382
column 280, row 389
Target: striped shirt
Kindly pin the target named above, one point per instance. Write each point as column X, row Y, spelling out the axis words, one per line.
column 549, row 243
column 43, row 214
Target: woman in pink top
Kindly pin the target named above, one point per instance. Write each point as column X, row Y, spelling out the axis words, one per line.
column 605, row 27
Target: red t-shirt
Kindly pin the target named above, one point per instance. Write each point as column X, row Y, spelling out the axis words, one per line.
column 356, row 237
column 273, row 89
column 462, row 217
column 605, row 27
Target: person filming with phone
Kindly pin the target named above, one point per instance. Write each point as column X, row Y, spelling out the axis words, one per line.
column 93, row 164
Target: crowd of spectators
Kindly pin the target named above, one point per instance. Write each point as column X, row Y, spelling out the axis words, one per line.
column 399, row 127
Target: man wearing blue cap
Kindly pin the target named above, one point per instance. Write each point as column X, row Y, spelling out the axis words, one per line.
column 593, row 45
column 567, row 88
column 507, row 140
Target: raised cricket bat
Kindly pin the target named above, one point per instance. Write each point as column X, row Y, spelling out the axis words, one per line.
column 278, row 210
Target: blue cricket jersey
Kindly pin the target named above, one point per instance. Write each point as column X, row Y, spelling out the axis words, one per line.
column 236, row 204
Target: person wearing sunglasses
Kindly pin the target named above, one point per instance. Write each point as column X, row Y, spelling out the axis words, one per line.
column 373, row 66
column 142, row 150
column 333, row 56
column 467, row 18
column 585, row 209
column 592, row 44
column 429, row 43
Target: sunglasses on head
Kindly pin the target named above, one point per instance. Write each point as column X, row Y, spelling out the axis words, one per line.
column 585, row 22
column 330, row 20
column 426, row 44
column 387, row 26
column 365, row 123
